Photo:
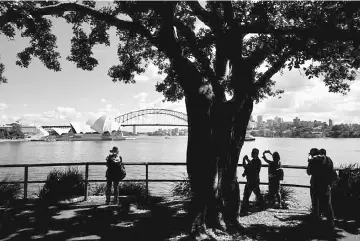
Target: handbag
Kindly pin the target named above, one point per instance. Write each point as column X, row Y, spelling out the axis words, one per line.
column 122, row 171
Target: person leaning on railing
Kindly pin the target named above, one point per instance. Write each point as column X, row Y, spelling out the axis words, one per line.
column 113, row 173
column 276, row 174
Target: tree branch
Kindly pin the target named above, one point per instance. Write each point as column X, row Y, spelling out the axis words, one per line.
column 201, row 57
column 9, row 16
column 110, row 19
column 228, row 13
column 204, row 16
column 259, row 55
column 328, row 33
column 266, row 77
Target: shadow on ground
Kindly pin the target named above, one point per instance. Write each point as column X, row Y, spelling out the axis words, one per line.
column 156, row 221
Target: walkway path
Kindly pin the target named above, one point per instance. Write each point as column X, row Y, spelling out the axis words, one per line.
column 92, row 220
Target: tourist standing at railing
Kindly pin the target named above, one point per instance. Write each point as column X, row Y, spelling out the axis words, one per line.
column 113, row 174
column 252, row 173
column 276, row 174
column 321, row 170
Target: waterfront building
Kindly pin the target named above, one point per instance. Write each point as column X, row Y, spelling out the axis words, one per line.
column 80, row 128
column 287, row 133
column 331, row 123
column 259, row 121
column 296, row 122
column 269, row 133
column 270, row 123
column 252, row 125
column 59, row 131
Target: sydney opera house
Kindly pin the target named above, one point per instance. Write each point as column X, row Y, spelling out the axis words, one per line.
column 102, row 128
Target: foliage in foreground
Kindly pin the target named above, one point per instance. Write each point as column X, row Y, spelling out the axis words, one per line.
column 136, row 190
column 9, row 192
column 287, row 195
column 62, row 185
column 346, row 192
column 182, row 189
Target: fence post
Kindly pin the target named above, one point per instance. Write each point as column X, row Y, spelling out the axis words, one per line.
column 147, row 179
column 86, row 181
column 26, row 178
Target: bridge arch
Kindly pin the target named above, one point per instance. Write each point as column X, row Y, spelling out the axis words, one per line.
column 131, row 115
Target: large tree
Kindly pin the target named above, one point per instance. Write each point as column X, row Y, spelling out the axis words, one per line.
column 220, row 69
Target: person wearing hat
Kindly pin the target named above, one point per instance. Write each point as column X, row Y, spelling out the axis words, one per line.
column 113, row 163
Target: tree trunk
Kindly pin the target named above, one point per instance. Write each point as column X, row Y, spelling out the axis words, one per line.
column 216, row 136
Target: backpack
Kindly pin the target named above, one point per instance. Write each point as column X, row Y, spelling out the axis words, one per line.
column 122, row 171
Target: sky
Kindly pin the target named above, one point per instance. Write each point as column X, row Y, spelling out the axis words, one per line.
column 36, row 95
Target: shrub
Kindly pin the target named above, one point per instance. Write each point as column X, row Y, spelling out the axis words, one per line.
column 346, row 192
column 182, row 189
column 9, row 192
column 62, row 185
column 136, row 190
column 287, row 195
column 98, row 189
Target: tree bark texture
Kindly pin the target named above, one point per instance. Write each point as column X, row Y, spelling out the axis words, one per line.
column 216, row 135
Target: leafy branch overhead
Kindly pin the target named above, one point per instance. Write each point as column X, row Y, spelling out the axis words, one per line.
column 238, row 48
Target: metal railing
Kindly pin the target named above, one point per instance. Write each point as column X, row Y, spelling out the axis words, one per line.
column 26, row 167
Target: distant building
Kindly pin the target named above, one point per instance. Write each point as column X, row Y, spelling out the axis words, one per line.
column 296, row 121
column 331, row 123
column 252, row 125
column 278, row 121
column 287, row 133
column 259, row 120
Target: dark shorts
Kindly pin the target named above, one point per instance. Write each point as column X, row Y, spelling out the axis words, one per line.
column 112, row 175
column 274, row 185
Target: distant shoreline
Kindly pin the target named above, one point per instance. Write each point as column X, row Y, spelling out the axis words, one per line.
column 9, row 140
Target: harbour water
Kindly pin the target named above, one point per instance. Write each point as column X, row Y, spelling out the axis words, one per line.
column 158, row 149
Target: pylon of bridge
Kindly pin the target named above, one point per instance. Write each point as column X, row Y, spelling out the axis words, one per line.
column 134, row 130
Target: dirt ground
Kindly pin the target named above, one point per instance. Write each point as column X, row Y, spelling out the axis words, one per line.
column 158, row 220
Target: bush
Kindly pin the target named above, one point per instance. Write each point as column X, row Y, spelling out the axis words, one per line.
column 137, row 191
column 98, row 189
column 62, row 185
column 9, row 192
column 287, row 195
column 182, row 189
column 346, row 192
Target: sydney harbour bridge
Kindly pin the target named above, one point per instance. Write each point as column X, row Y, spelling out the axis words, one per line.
column 147, row 117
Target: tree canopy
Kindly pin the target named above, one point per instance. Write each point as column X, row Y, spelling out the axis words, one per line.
column 320, row 38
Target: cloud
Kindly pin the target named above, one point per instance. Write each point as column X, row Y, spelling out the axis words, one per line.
column 150, row 74
column 3, row 106
column 66, row 110
column 4, row 119
column 104, row 101
column 292, row 81
column 25, row 105
column 160, row 104
column 141, row 96
column 60, row 115
column 310, row 100
column 141, row 78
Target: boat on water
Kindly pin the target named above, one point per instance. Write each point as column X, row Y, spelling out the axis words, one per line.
column 249, row 137
column 166, row 137
column 116, row 136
